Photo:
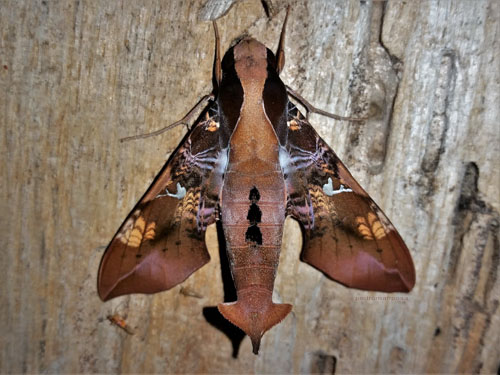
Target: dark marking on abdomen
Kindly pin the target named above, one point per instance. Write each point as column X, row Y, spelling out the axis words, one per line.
column 253, row 233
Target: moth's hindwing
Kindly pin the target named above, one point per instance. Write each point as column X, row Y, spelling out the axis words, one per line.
column 162, row 240
column 346, row 235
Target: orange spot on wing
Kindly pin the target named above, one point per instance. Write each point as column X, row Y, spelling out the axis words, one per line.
column 293, row 125
column 188, row 206
column 212, row 126
column 370, row 227
column 134, row 231
column 136, row 234
column 150, row 231
column 318, row 199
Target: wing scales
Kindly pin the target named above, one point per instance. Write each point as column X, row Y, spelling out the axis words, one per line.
column 162, row 241
column 346, row 235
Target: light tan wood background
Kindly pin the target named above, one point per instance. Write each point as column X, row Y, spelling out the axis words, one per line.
column 75, row 76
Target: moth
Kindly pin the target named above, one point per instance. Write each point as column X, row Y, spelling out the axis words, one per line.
column 249, row 161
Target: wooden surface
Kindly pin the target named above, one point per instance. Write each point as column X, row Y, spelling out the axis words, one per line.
column 77, row 76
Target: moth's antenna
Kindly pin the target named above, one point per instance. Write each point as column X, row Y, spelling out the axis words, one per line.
column 280, row 53
column 217, row 64
column 312, row 109
column 184, row 121
column 217, row 76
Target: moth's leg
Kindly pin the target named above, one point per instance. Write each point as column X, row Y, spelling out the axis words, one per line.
column 312, row 109
column 280, row 53
column 183, row 121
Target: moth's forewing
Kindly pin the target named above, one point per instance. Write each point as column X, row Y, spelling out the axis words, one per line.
column 162, row 241
column 346, row 235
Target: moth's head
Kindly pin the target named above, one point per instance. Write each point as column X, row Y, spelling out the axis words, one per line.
column 249, row 58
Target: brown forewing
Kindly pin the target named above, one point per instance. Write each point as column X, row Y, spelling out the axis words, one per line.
column 346, row 235
column 162, row 240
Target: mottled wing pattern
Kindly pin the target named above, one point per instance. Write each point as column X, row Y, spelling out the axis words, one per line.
column 346, row 235
column 162, row 241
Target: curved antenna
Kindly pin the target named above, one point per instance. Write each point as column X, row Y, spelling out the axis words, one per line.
column 280, row 53
column 217, row 65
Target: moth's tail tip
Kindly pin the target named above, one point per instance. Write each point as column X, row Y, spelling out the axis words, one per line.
column 255, row 344
column 409, row 284
column 407, row 279
column 254, row 322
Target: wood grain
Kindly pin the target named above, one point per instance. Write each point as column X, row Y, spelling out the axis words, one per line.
column 75, row 77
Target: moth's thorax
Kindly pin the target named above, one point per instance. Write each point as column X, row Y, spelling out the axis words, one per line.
column 253, row 136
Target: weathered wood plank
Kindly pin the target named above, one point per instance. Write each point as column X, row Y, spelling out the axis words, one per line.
column 77, row 76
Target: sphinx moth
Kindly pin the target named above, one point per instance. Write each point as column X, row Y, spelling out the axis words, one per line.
column 249, row 161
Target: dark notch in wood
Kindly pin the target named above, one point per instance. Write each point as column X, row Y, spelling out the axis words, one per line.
column 253, row 233
column 322, row 363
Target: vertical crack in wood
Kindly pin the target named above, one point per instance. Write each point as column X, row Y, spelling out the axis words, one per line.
column 471, row 275
column 435, row 144
column 374, row 85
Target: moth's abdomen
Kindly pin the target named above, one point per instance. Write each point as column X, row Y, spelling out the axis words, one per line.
column 253, row 214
